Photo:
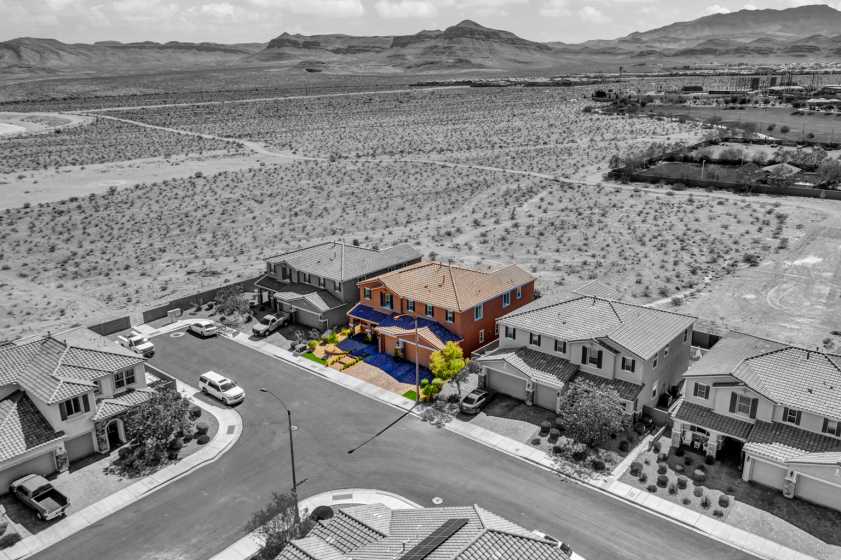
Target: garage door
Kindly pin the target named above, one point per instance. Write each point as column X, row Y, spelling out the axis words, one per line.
column 818, row 492
column 80, row 447
column 545, row 397
column 43, row 465
column 507, row 384
column 767, row 474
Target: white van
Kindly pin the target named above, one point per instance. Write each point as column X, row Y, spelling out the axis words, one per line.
column 219, row 386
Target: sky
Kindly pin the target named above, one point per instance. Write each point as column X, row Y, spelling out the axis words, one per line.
column 232, row 21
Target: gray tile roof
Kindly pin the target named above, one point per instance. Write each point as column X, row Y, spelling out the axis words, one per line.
column 641, row 330
column 783, row 442
column 539, row 366
column 627, row 390
column 108, row 408
column 340, row 261
column 387, row 535
column 56, row 368
column 729, row 352
column 596, row 288
column 22, row 427
column 300, row 295
column 704, row 417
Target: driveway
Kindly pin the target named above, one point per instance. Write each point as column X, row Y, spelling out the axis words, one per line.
column 510, row 417
column 199, row 515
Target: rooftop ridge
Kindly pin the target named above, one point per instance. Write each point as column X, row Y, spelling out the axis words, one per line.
column 355, row 520
column 342, row 243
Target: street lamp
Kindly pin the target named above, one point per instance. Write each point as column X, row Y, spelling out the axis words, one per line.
column 292, row 428
column 417, row 356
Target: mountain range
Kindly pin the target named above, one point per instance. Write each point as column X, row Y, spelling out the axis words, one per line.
column 798, row 34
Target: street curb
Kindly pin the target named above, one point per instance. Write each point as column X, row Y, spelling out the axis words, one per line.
column 94, row 513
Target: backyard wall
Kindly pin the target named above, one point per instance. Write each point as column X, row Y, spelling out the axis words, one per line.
column 741, row 187
column 112, row 326
column 194, row 299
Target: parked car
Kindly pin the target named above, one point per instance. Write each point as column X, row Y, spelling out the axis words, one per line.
column 203, row 327
column 270, row 323
column 300, row 348
column 473, row 402
column 38, row 494
column 220, row 387
column 138, row 343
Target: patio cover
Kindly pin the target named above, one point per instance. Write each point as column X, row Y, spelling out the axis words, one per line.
column 435, row 333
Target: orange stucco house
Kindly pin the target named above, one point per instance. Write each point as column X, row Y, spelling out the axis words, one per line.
column 450, row 302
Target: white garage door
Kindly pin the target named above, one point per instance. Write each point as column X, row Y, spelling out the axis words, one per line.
column 817, row 492
column 545, row 397
column 80, row 447
column 767, row 474
column 507, row 384
column 43, row 465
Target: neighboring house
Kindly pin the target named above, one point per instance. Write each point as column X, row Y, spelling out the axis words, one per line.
column 772, row 408
column 317, row 284
column 639, row 351
column 64, row 397
column 452, row 303
column 375, row 532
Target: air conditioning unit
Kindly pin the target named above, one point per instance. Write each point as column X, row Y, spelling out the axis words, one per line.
column 789, row 484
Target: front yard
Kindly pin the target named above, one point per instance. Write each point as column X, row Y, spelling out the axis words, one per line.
column 717, row 490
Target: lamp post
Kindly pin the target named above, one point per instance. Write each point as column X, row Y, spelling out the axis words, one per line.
column 291, row 445
column 417, row 356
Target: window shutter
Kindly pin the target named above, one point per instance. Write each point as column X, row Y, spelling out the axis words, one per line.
column 754, row 403
column 583, row 354
column 86, row 403
column 62, row 409
column 796, row 418
column 825, row 427
column 785, row 414
column 599, row 358
column 633, row 365
column 838, row 429
column 382, row 299
column 733, row 398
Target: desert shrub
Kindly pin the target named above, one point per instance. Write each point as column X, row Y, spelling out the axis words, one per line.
column 662, row 457
column 662, row 468
column 651, row 488
column 698, row 491
column 785, row 129
column 557, row 449
column 643, row 477
column 535, row 441
column 559, row 422
column 579, row 455
column 9, row 539
column 202, row 439
column 723, row 501
column 202, row 428
column 195, row 412
column 122, row 454
column 554, row 434
column 174, row 448
column 686, row 501
column 705, row 502
column 672, row 489
column 718, row 513
column 624, row 445
column 544, row 427
column 636, row 468
column 656, row 446
column 679, row 468
column 662, row 481
column 699, row 476
column 598, row 465
column 187, row 438
column 682, row 481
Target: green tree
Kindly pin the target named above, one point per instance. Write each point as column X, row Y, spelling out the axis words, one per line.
column 231, row 301
column 447, row 362
column 592, row 413
column 155, row 424
column 278, row 523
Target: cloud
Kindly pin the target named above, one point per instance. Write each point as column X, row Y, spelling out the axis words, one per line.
column 218, row 10
column 592, row 14
column 750, row 7
column 716, row 9
column 555, row 8
column 405, row 9
column 324, row 8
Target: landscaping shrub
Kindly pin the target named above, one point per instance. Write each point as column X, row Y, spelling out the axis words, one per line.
column 187, row 438
column 559, row 422
column 557, row 449
column 9, row 540
column 679, row 452
column 662, row 468
column 202, row 428
column 535, row 441
column 312, row 345
column 3, row 526
column 639, row 428
column 122, row 453
column 679, row 468
column 723, row 501
column 686, row 501
column 643, row 477
column 662, row 457
column 718, row 513
column 709, row 459
column 698, row 491
column 705, row 502
column 624, row 445
column 682, row 481
column 656, row 446
column 687, row 460
column 174, row 448
column 452, row 399
column 598, row 465
column 651, row 488
column 662, row 481
column 544, row 427
column 195, row 412
column 202, row 439
column 672, row 489
column 699, row 476
column 578, row 455
column 554, row 434
column 636, row 468
column 784, row 129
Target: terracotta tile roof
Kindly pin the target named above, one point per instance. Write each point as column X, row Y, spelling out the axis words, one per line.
column 706, row 418
column 627, row 390
column 539, row 366
column 22, row 427
column 56, row 368
column 388, row 534
column 452, row 287
column 121, row 403
column 797, row 378
column 340, row 261
column 782, row 442
column 641, row 330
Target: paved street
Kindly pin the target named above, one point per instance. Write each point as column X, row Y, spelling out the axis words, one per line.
column 204, row 512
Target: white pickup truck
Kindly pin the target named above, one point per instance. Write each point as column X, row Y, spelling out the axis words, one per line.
column 137, row 343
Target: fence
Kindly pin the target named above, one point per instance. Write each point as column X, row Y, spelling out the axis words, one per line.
column 196, row 299
column 112, row 326
column 661, row 417
column 741, row 187
column 165, row 383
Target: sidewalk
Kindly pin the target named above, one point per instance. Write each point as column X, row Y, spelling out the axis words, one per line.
column 230, row 428
column 732, row 536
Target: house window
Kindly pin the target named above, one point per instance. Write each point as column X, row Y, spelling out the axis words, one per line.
column 322, row 282
column 506, row 299
column 285, row 273
column 654, row 391
column 510, row 333
column 481, row 336
column 629, row 364
column 123, row 378
column 561, row 346
column 534, row 339
column 450, row 316
column 430, row 310
column 831, row 427
column 385, row 300
column 97, row 387
column 410, row 306
column 591, row 357
column 337, row 286
column 743, row 404
column 791, row 416
column 367, row 293
column 665, row 352
column 74, row 406
column 701, row 391
column 479, row 312
column 685, row 334
column 520, row 293
column 654, row 361
column 302, row 277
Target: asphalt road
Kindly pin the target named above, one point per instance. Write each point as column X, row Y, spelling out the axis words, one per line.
column 201, row 514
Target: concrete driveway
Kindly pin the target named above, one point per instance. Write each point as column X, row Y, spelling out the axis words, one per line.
column 201, row 514
column 510, row 417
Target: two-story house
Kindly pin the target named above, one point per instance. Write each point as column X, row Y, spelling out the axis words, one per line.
column 773, row 408
column 64, row 397
column 450, row 303
column 317, row 284
column 639, row 351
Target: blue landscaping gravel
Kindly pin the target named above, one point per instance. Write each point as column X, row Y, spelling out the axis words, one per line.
column 402, row 371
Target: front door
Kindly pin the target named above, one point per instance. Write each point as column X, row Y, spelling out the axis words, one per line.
column 115, row 439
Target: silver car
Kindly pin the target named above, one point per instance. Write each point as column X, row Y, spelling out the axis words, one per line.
column 473, row 402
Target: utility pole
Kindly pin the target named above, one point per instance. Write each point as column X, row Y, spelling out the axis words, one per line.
column 292, row 428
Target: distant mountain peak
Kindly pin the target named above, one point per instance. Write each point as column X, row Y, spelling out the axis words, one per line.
column 469, row 23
